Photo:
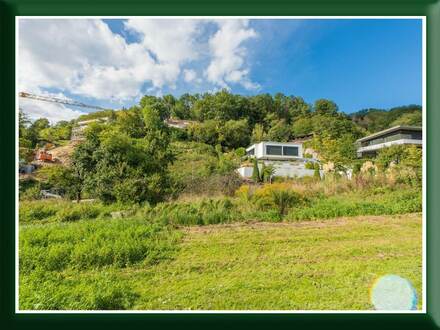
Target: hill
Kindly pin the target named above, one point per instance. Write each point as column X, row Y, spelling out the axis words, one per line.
column 374, row 120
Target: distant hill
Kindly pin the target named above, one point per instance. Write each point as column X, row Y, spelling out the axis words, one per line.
column 375, row 120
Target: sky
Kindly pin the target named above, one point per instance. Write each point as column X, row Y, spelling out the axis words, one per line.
column 112, row 63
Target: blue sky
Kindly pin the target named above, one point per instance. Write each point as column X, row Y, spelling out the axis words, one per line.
column 112, row 63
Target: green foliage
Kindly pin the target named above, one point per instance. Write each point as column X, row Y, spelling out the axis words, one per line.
column 60, row 131
column 325, row 107
column 309, row 166
column 284, row 199
column 207, row 211
column 65, row 180
column 29, row 189
column 267, row 173
column 235, row 133
column 256, row 177
column 409, row 119
column 375, row 120
column 316, row 173
column 115, row 166
column 258, row 134
column 388, row 202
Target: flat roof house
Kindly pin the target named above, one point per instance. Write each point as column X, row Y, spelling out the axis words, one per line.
column 275, row 150
column 369, row 145
column 286, row 158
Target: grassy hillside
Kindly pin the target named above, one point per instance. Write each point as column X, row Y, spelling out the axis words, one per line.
column 314, row 265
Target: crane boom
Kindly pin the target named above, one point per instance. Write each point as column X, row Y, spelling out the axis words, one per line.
column 57, row 100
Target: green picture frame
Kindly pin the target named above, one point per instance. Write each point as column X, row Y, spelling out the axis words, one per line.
column 9, row 10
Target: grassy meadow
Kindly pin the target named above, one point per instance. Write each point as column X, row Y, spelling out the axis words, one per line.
column 299, row 244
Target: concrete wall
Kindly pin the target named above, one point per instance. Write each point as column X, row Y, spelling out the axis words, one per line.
column 282, row 168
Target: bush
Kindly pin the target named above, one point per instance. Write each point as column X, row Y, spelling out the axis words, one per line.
column 284, row 199
column 310, row 165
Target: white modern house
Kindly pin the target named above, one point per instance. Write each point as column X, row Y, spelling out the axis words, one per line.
column 369, row 145
column 286, row 158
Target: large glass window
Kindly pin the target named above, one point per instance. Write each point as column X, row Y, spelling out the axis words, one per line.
column 274, row 150
column 290, row 151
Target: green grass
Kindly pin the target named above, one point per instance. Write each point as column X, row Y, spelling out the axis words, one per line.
column 349, row 204
column 307, row 265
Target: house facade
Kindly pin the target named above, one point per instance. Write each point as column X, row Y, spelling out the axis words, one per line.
column 369, row 145
column 286, row 158
column 275, row 150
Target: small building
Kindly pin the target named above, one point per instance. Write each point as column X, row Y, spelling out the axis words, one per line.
column 286, row 158
column 178, row 123
column 369, row 145
column 78, row 130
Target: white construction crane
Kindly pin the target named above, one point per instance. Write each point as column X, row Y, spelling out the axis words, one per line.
column 58, row 100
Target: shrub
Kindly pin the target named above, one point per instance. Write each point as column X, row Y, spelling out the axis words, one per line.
column 309, row 165
column 284, row 199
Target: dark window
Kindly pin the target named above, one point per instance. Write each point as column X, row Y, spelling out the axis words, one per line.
column 251, row 152
column 274, row 150
column 290, row 151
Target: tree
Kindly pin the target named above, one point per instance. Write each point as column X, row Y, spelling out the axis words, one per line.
column 258, row 134
column 325, row 107
column 279, row 131
column 131, row 122
column 409, row 119
column 117, row 167
column 64, row 179
column 235, row 133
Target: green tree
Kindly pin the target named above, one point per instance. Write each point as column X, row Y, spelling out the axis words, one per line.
column 279, row 131
column 409, row 119
column 325, row 107
column 235, row 133
column 64, row 179
column 258, row 134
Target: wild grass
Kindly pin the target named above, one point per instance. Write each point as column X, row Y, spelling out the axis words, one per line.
column 93, row 245
column 53, row 258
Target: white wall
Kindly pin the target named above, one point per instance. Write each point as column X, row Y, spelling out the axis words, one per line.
column 282, row 168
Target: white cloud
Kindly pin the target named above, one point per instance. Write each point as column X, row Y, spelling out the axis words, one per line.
column 189, row 75
column 229, row 54
column 54, row 112
column 84, row 57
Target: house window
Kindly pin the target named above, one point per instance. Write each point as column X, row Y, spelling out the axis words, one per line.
column 274, row 150
column 251, row 152
column 290, row 151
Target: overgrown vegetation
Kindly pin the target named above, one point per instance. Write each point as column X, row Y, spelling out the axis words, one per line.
column 147, row 181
